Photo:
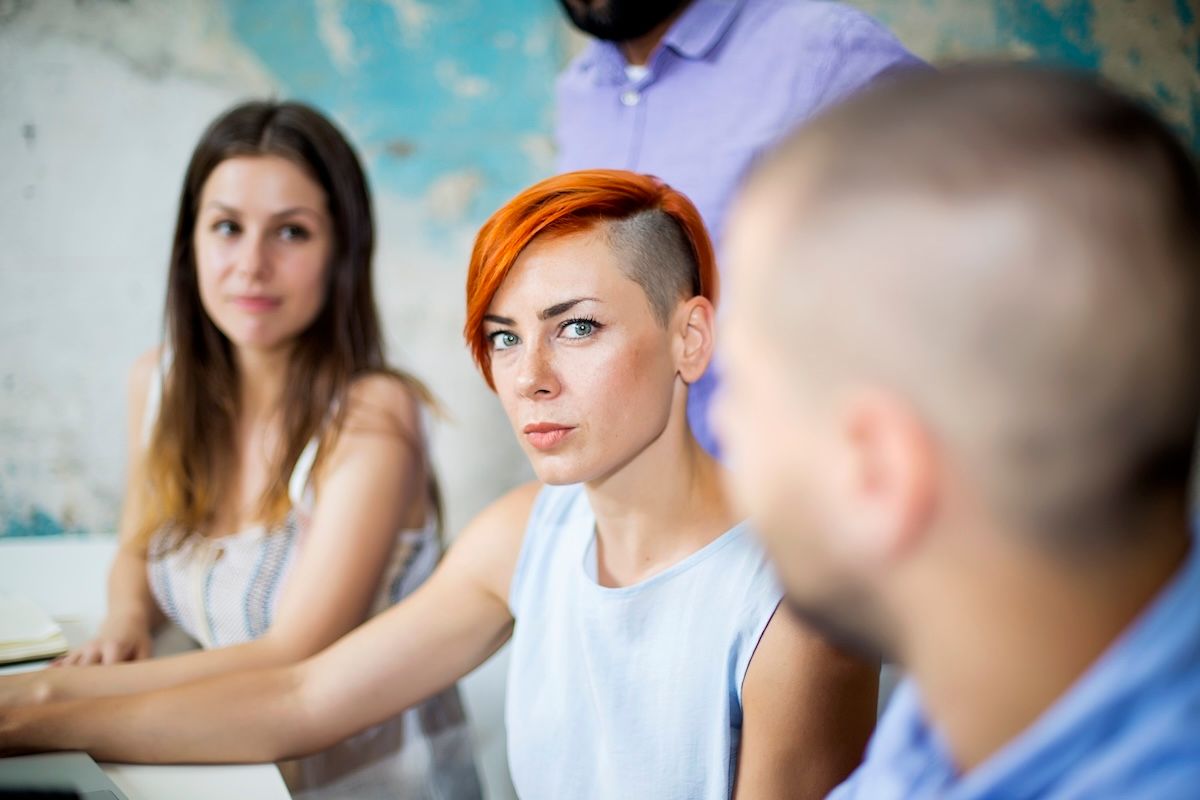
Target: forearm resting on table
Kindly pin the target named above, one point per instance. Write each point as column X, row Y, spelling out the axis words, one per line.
column 74, row 683
column 244, row 718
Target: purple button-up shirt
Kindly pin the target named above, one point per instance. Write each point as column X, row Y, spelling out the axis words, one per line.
column 731, row 78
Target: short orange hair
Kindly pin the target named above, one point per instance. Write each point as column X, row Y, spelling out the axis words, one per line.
column 572, row 203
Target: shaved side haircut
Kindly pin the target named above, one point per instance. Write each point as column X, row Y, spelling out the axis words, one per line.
column 656, row 255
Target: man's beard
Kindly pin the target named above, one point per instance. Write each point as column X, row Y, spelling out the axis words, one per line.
column 833, row 622
column 620, row 20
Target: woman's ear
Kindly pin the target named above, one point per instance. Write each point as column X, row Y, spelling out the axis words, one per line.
column 695, row 323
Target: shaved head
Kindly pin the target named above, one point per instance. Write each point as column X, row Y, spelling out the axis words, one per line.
column 655, row 253
column 1015, row 253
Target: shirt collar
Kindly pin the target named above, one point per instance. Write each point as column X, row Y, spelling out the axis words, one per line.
column 694, row 36
column 702, row 26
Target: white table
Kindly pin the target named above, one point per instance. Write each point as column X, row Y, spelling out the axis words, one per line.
column 66, row 578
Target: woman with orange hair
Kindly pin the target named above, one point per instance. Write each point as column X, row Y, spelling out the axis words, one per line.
column 648, row 658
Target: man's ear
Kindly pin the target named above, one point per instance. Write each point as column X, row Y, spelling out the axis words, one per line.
column 888, row 480
column 694, row 325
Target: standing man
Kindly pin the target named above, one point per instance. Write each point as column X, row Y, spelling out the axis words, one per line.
column 962, row 402
column 693, row 90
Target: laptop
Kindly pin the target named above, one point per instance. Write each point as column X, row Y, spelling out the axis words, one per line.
column 49, row 775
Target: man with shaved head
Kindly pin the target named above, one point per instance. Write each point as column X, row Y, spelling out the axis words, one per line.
column 963, row 342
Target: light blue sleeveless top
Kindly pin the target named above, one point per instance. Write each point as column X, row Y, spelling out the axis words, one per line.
column 633, row 692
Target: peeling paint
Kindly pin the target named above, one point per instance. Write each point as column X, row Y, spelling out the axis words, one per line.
column 181, row 38
column 1166, row 71
column 451, row 105
column 448, row 102
column 452, row 195
column 36, row 523
column 1058, row 32
column 400, row 148
column 413, row 18
column 337, row 38
column 439, row 75
column 449, row 74
column 1184, row 12
column 1151, row 47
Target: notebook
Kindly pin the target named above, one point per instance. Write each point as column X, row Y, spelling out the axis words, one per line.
column 27, row 632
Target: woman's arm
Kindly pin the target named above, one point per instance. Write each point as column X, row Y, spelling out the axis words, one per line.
column 132, row 613
column 809, row 710
column 372, row 484
column 445, row 629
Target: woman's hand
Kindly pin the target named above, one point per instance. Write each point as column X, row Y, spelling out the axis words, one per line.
column 119, row 640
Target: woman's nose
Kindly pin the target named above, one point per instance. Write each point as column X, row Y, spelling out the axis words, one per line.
column 536, row 378
column 254, row 260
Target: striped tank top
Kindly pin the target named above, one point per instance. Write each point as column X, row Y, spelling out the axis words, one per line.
column 224, row 591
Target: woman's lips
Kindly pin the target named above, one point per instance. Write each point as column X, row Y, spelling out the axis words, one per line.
column 546, row 435
column 255, row 303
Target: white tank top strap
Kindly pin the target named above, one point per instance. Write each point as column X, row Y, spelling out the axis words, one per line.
column 298, row 482
column 299, row 489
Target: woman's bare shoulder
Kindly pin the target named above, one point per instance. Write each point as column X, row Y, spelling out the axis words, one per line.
column 142, row 368
column 383, row 403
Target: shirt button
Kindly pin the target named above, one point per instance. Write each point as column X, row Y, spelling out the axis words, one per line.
column 630, row 98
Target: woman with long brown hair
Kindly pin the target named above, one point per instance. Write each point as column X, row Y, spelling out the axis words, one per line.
column 279, row 490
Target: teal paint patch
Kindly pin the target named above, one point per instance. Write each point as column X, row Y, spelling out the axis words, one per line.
column 1061, row 35
column 1183, row 10
column 455, row 87
column 36, row 523
column 1165, row 95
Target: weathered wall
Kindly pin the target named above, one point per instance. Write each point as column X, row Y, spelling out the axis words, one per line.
column 101, row 102
column 450, row 105
column 1151, row 47
column 100, row 105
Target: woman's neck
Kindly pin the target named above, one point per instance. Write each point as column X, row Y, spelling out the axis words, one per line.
column 261, row 378
column 662, row 506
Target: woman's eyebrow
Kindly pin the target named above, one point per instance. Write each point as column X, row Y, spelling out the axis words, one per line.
column 545, row 314
column 287, row 212
column 498, row 320
column 561, row 308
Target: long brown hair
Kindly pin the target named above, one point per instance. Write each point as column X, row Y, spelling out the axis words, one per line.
column 191, row 450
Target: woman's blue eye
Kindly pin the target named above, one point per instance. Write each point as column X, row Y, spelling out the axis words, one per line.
column 502, row 340
column 579, row 328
